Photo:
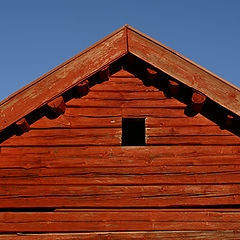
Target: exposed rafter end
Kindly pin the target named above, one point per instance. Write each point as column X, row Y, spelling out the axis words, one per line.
column 81, row 89
column 22, row 127
column 151, row 75
column 173, row 89
column 55, row 108
column 196, row 105
column 227, row 122
column 104, row 74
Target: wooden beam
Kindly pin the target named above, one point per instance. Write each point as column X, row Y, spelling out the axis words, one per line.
column 151, row 74
column 38, row 93
column 55, row 108
column 173, row 88
column 104, row 74
column 184, row 70
column 22, row 126
column 227, row 122
column 82, row 89
column 119, row 221
column 196, row 105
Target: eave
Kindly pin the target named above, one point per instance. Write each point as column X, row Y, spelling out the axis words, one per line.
column 130, row 49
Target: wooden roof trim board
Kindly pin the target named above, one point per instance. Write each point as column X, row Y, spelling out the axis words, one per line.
column 63, row 77
column 184, row 70
column 98, row 57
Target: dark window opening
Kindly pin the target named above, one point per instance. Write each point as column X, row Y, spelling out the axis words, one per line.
column 133, row 132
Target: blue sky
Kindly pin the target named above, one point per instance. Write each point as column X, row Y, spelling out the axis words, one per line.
column 37, row 36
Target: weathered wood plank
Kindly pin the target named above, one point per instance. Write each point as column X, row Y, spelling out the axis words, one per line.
column 112, row 220
column 124, row 85
column 63, row 77
column 52, row 137
column 184, row 70
column 193, row 140
column 112, row 137
column 186, row 131
column 71, row 121
column 125, row 95
column 124, row 112
column 109, row 101
column 56, row 196
column 142, row 235
column 117, row 156
column 131, row 176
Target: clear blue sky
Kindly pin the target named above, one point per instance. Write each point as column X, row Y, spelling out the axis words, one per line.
column 38, row 35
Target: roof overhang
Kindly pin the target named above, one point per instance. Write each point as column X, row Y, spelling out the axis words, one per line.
column 105, row 53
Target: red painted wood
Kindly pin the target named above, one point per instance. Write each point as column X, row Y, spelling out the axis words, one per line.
column 104, row 74
column 184, row 70
column 62, row 78
column 76, row 196
column 23, row 125
column 85, row 221
column 174, row 88
column 197, row 102
column 151, row 74
column 82, row 89
column 136, row 235
column 193, row 164
column 130, row 176
column 117, row 156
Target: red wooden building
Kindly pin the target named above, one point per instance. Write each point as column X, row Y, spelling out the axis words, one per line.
column 127, row 140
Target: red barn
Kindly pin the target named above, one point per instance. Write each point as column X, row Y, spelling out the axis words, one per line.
column 127, row 140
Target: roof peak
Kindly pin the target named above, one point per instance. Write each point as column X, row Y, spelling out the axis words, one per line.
column 105, row 53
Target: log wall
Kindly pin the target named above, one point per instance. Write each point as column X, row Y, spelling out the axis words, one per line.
column 71, row 174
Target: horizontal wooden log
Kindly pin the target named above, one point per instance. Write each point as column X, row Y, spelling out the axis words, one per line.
column 70, row 121
column 112, row 137
column 121, row 175
column 186, row 131
column 53, row 137
column 124, row 96
column 126, row 112
column 92, row 221
column 118, row 103
column 193, row 140
column 123, row 84
column 118, row 156
column 56, row 196
column 136, row 235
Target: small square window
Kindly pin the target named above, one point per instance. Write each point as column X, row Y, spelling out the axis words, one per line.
column 133, row 132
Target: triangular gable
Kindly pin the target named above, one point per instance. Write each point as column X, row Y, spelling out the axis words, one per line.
column 126, row 48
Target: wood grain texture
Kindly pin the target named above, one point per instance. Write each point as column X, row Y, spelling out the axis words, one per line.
column 62, row 78
column 76, row 196
column 92, row 221
column 76, row 161
column 142, row 235
column 184, row 70
column 96, row 119
column 120, row 176
column 117, row 156
column 112, row 137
